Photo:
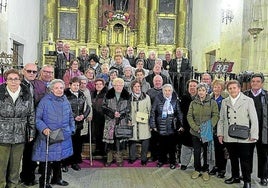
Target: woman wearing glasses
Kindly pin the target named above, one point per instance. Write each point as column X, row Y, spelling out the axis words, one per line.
column 16, row 116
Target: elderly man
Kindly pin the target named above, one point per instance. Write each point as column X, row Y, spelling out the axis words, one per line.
column 260, row 97
column 63, row 60
column 130, row 56
column 157, row 71
column 38, row 90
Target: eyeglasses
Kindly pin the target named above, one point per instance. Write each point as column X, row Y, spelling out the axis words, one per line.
column 13, row 79
column 48, row 72
column 31, row 71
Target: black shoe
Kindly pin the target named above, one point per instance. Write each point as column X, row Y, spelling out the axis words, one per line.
column 64, row 169
column 47, row 186
column 76, row 167
column 232, row 180
column 213, row 171
column 183, row 167
column 60, row 182
column 172, row 166
column 159, row 164
column 31, row 183
column 143, row 163
column 131, row 161
column 205, row 168
column 247, row 185
column 263, row 182
column 107, row 164
column 221, row 174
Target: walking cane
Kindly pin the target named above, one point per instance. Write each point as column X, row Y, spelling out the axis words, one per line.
column 90, row 144
column 47, row 143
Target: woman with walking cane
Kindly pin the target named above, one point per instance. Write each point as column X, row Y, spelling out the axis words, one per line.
column 53, row 115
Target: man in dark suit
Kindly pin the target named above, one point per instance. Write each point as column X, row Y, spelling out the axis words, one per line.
column 180, row 72
column 62, row 61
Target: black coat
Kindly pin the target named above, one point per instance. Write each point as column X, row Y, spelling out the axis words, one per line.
column 78, row 106
column 185, row 136
column 171, row 124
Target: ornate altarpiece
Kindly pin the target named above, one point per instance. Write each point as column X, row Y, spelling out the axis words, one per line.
column 144, row 24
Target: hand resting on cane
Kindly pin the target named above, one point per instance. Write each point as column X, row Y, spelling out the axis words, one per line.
column 46, row 131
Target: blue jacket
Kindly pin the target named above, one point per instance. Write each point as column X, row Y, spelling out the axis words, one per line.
column 53, row 113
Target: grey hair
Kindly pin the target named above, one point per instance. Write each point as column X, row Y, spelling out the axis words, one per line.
column 83, row 77
column 53, row 82
column 202, row 84
column 127, row 67
column 167, row 85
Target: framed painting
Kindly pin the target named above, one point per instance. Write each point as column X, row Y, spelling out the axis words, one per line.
column 166, row 31
column 68, row 25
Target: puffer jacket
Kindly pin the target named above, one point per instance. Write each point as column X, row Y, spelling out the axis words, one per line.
column 173, row 122
column 200, row 112
column 54, row 112
column 78, row 106
column 141, row 131
column 17, row 120
column 110, row 106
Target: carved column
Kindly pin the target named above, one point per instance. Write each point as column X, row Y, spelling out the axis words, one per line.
column 93, row 21
column 142, row 23
column 82, row 21
column 51, row 20
column 152, row 22
column 181, row 22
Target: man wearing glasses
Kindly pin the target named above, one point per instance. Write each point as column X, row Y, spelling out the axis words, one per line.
column 38, row 89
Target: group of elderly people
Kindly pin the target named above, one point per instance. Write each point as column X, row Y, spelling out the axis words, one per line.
column 163, row 114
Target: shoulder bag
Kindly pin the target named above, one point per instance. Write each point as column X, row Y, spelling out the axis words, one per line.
column 237, row 131
column 123, row 131
column 142, row 117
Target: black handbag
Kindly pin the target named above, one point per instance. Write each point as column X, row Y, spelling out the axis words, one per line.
column 237, row 131
column 56, row 136
column 123, row 131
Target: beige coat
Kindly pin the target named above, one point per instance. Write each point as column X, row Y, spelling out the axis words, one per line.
column 141, row 131
column 242, row 113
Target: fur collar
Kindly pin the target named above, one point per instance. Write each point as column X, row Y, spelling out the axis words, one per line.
column 24, row 92
column 111, row 94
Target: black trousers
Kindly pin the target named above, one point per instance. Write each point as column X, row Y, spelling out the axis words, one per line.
column 77, row 150
column 53, row 168
column 220, row 160
column 167, row 145
column 240, row 152
column 262, row 153
column 198, row 145
column 28, row 166
column 133, row 149
column 154, row 145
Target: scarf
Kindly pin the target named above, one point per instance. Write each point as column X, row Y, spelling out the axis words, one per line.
column 167, row 108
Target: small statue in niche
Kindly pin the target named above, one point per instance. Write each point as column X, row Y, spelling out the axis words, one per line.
column 119, row 5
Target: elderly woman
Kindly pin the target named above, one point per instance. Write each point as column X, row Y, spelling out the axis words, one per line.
column 72, row 72
column 116, row 108
column 53, row 112
column 166, row 118
column 128, row 77
column 218, row 95
column 17, row 126
column 238, row 109
column 90, row 75
column 98, row 120
column 81, row 110
column 202, row 109
column 140, row 102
